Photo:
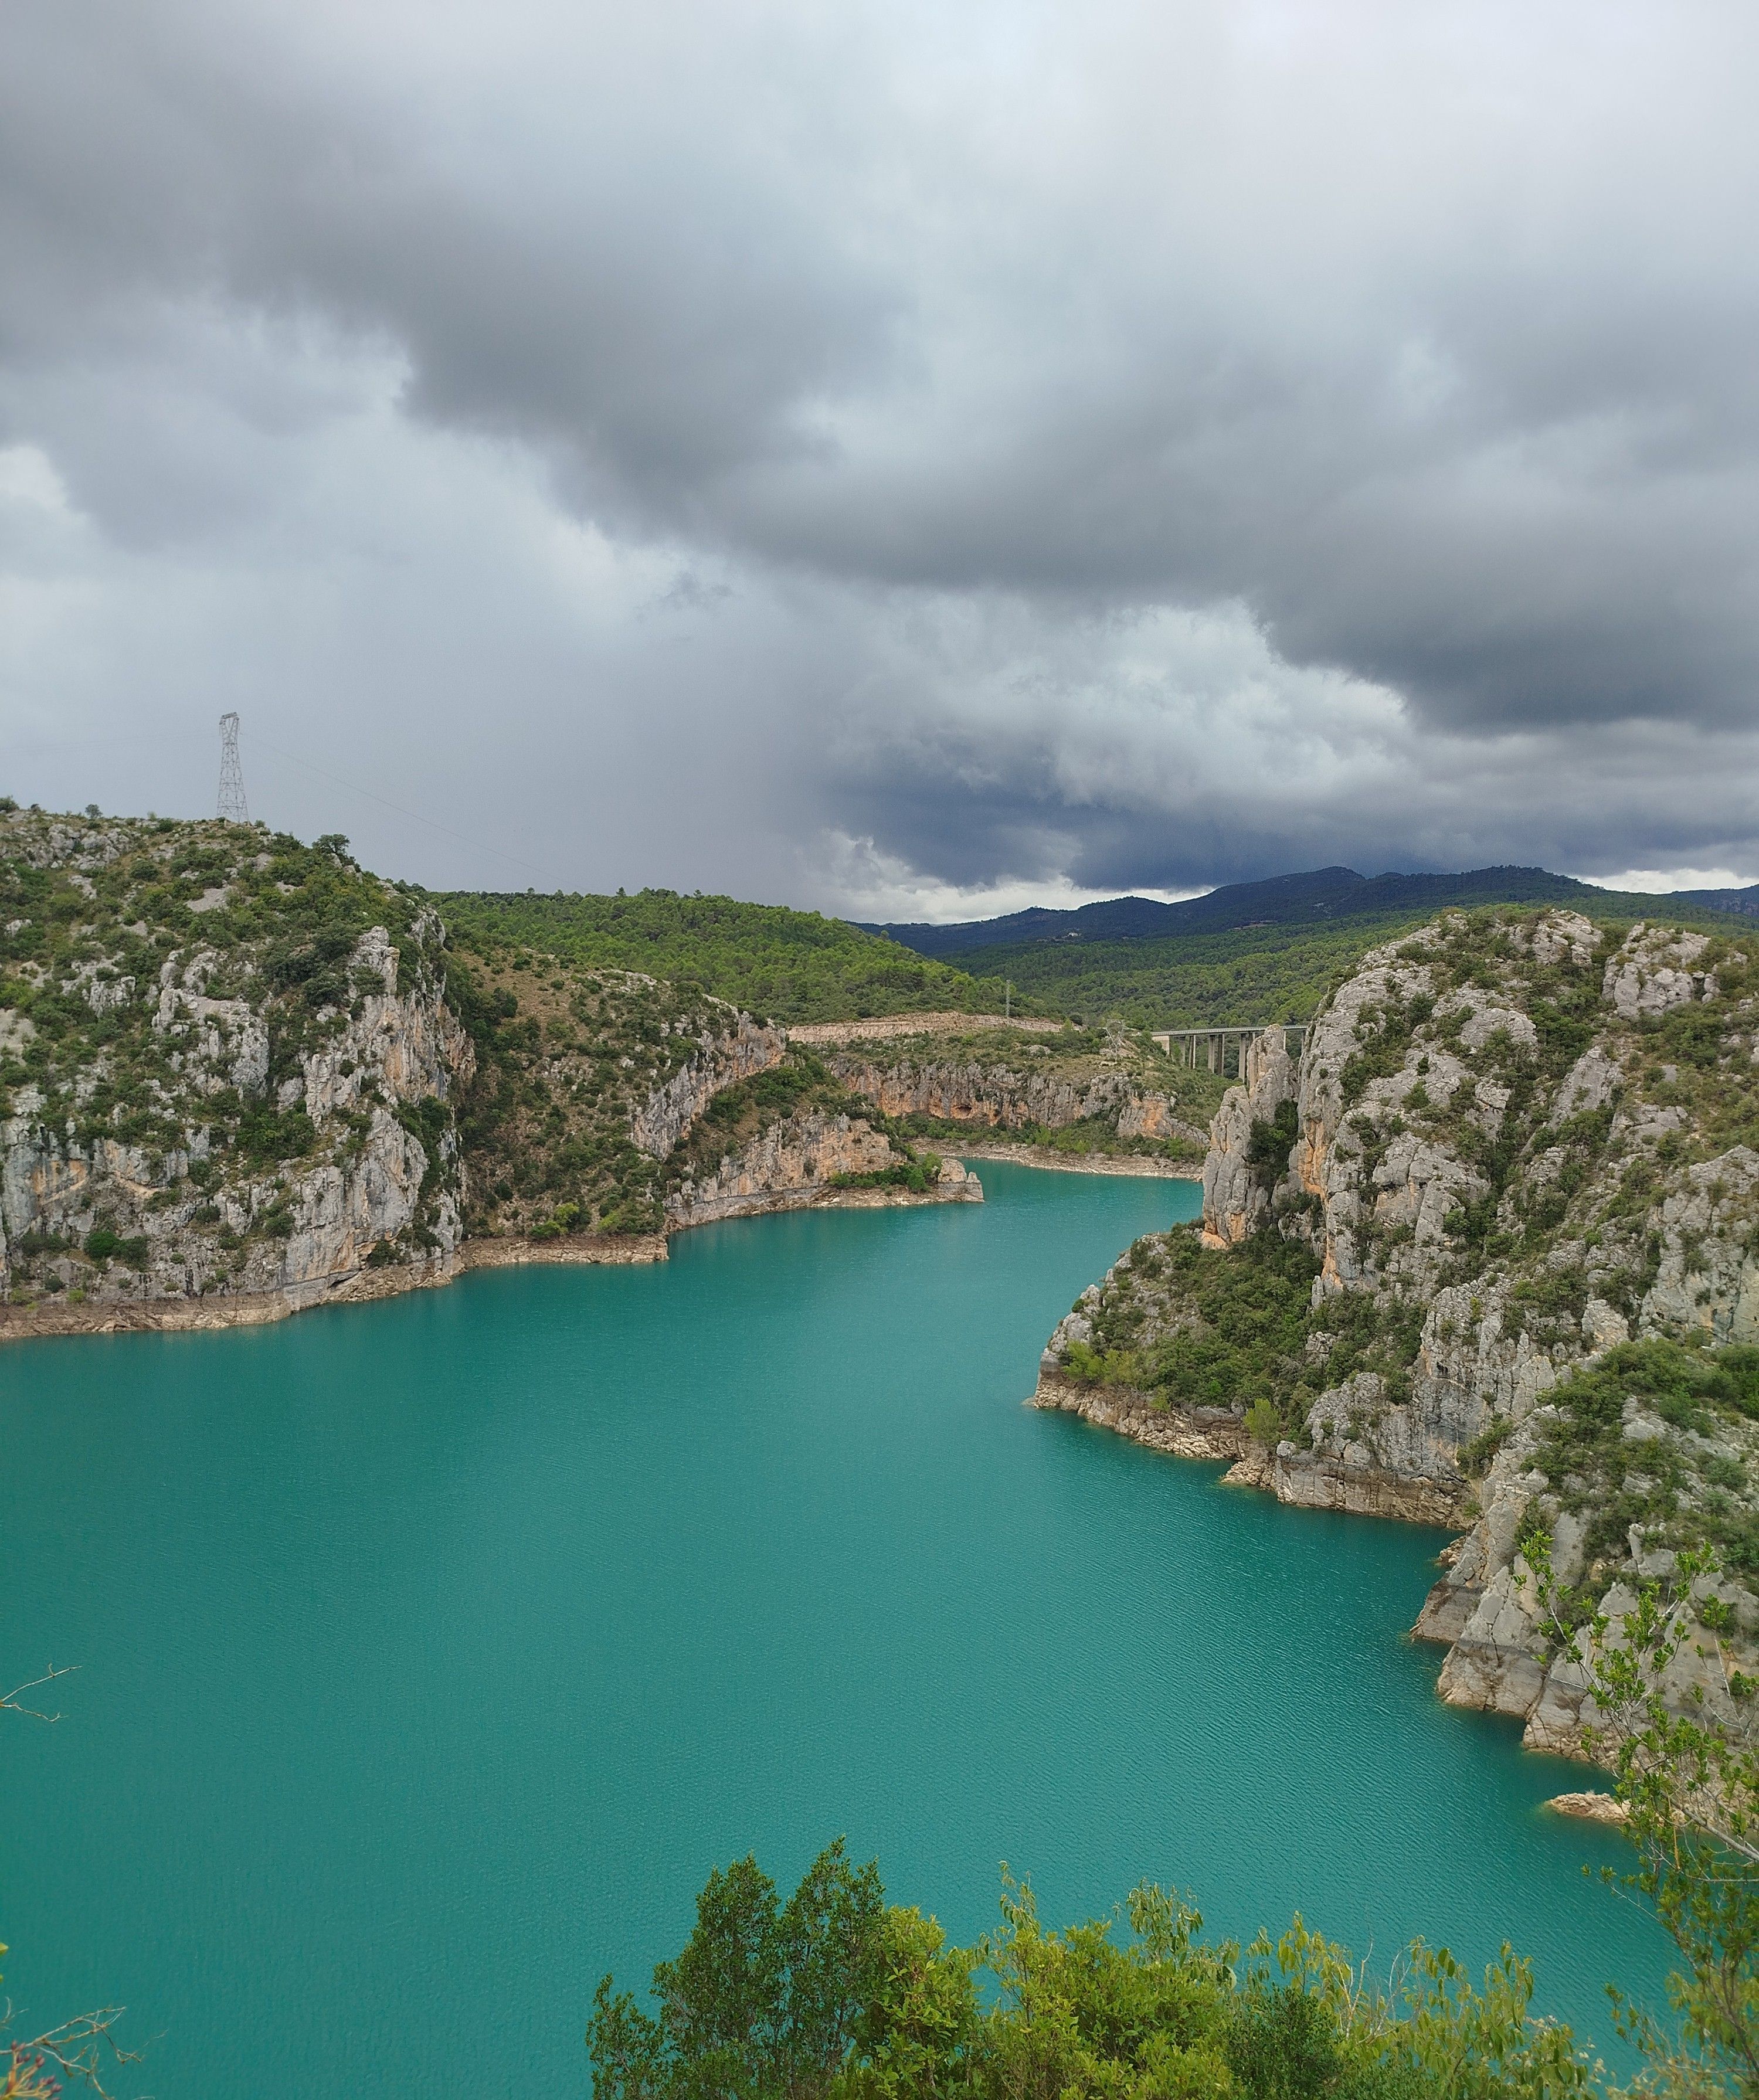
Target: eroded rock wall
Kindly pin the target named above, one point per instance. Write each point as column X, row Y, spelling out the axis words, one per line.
column 295, row 1227
column 795, row 1161
column 739, row 1050
column 1505, row 1148
column 1000, row 1097
column 1236, row 1198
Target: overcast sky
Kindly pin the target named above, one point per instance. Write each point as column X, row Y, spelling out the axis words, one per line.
column 908, row 460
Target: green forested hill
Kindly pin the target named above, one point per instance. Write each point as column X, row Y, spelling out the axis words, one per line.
column 786, row 965
column 1253, row 974
column 795, row 966
column 1245, row 975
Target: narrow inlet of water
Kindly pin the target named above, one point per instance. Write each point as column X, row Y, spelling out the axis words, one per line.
column 432, row 1652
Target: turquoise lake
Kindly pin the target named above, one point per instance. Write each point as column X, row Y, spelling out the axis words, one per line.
column 432, row 1652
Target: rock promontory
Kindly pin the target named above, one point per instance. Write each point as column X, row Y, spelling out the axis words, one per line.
column 239, row 1076
column 1486, row 1256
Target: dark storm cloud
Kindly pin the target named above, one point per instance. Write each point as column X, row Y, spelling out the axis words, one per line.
column 1148, row 445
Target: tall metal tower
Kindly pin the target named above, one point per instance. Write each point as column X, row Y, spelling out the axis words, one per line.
column 232, row 810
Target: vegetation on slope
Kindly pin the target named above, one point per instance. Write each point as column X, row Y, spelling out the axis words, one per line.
column 1236, row 1328
column 1546, row 1210
column 779, row 964
column 1693, row 1491
column 563, row 1057
column 254, row 939
column 1245, row 977
column 1240, row 977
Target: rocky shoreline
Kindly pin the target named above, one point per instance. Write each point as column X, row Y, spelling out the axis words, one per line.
column 256, row 1308
column 1304, row 1480
column 1472, row 1262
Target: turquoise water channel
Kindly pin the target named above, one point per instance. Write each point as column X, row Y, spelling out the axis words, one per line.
column 432, row 1652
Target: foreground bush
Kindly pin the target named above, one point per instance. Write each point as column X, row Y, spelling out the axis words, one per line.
column 834, row 1993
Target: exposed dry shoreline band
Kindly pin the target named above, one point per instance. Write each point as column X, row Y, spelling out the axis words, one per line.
column 365, row 1286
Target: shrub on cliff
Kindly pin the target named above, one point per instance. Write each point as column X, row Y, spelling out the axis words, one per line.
column 917, row 1174
column 1268, row 1147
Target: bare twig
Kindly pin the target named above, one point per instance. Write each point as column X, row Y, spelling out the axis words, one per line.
column 82, row 2049
column 12, row 1702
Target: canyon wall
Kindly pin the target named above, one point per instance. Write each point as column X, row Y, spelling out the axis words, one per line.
column 992, row 1096
column 795, row 1161
column 117, row 1221
column 1518, row 1145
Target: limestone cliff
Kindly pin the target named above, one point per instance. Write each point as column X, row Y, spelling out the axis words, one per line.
column 1103, row 1091
column 1518, row 1142
column 1235, row 1198
column 801, row 1159
column 995, row 1097
column 221, row 1077
column 239, row 1075
column 739, row 1048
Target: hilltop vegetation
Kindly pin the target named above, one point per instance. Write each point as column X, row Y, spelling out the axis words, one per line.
column 1256, row 952
column 783, row 965
column 223, row 1054
column 1250, row 977
column 88, row 917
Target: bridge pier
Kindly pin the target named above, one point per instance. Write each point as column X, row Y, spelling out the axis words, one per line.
column 1213, row 1045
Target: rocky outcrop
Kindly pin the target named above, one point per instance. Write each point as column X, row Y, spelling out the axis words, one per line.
column 1000, row 1097
column 1591, row 1807
column 115, row 1222
column 1198, row 1432
column 743, row 1047
column 1236, row 1197
column 796, row 1162
column 1511, row 1154
column 1654, row 971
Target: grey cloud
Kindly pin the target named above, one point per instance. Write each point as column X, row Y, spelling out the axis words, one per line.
column 937, row 363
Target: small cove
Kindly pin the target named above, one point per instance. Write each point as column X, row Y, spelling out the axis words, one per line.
column 432, row 1651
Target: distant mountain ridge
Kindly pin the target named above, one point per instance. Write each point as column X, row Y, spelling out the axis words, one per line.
column 1317, row 896
column 1744, row 903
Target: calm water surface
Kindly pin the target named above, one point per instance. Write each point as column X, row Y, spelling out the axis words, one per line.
column 431, row 1652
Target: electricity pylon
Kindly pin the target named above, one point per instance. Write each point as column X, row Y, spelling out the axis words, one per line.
column 232, row 809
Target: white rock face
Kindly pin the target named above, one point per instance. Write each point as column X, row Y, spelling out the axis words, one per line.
column 794, row 1162
column 1234, row 1199
column 741, row 1049
column 1595, row 1080
column 1653, row 972
column 1707, row 1279
column 376, row 1182
column 1565, row 937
